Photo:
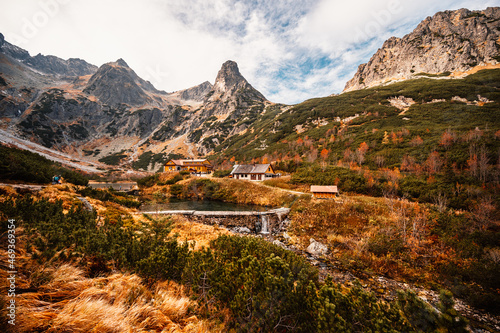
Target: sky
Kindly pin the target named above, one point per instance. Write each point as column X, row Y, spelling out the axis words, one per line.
column 289, row 50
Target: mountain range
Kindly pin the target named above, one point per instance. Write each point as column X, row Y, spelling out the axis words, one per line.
column 110, row 114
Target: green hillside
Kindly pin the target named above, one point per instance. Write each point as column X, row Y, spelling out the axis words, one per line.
column 25, row 166
column 448, row 140
column 375, row 115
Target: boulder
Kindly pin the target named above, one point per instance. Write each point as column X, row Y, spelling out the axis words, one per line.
column 316, row 248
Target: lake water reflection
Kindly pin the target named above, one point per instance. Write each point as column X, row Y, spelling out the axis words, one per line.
column 202, row 205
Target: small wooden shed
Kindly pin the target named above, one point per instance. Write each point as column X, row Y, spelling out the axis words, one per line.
column 324, row 192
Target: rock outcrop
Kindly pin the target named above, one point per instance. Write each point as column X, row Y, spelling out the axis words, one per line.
column 231, row 91
column 233, row 102
column 57, row 66
column 316, row 248
column 116, row 83
column 196, row 93
column 446, row 44
column 47, row 64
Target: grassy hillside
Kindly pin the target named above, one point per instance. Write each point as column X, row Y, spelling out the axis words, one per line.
column 24, row 166
column 320, row 127
column 443, row 145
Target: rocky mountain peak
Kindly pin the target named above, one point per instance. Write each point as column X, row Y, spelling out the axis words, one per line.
column 450, row 43
column 49, row 64
column 229, row 84
column 122, row 63
column 228, row 77
column 196, row 93
column 116, row 83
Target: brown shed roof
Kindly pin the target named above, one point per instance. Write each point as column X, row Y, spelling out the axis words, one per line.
column 324, row 189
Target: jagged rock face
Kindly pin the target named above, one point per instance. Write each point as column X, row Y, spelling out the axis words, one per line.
column 196, row 93
column 57, row 66
column 231, row 91
column 450, row 41
column 58, row 120
column 14, row 51
column 228, row 109
column 228, row 77
column 47, row 64
column 55, row 103
column 115, row 83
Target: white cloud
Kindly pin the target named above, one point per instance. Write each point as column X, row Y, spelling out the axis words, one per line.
column 290, row 50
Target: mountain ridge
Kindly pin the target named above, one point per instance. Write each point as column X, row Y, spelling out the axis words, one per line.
column 111, row 114
column 449, row 44
column 48, row 64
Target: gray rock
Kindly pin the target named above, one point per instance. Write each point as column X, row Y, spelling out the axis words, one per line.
column 449, row 41
column 53, row 65
column 115, row 83
column 241, row 230
column 196, row 93
column 280, row 244
column 231, row 91
column 316, row 248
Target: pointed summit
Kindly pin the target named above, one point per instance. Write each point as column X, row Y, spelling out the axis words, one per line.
column 116, row 83
column 228, row 76
column 121, row 62
column 231, row 91
column 230, row 83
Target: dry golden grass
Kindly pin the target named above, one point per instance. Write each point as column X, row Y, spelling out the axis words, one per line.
column 253, row 193
column 236, row 191
column 67, row 193
column 198, row 233
column 68, row 197
column 70, row 302
column 63, row 299
column 284, row 183
column 8, row 191
column 349, row 227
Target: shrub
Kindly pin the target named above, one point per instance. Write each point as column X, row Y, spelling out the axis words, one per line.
column 346, row 179
column 221, row 173
column 147, row 248
column 110, row 195
column 178, row 177
column 176, row 190
column 149, row 181
column 265, row 286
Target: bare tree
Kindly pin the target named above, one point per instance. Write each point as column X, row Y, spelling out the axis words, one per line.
column 419, row 223
column 380, row 160
column 434, row 163
column 441, row 201
column 483, row 160
column 483, row 212
column 472, row 161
